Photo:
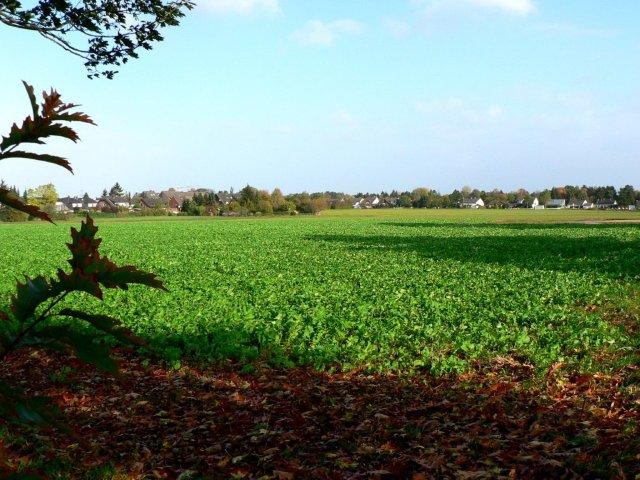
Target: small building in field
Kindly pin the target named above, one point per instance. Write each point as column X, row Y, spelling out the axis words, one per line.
column 536, row 205
column 473, row 203
column 606, row 204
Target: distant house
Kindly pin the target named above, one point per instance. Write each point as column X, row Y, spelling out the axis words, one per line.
column 89, row 203
column 225, row 198
column 606, row 204
column 79, row 203
column 149, row 194
column 586, row 205
column 121, row 202
column 474, row 203
column 151, row 203
column 367, row 202
column 113, row 204
column 535, row 204
column 72, row 203
column 61, row 207
column 556, row 203
column 173, row 198
column 106, row 205
column 389, row 202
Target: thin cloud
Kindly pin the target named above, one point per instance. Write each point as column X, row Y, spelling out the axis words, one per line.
column 324, row 34
column 241, row 7
column 519, row 7
column 516, row 7
column 456, row 111
column 572, row 30
column 398, row 28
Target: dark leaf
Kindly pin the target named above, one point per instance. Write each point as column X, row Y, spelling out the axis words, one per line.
column 87, row 262
column 84, row 345
column 34, row 129
column 53, row 109
column 40, row 157
column 106, row 324
column 73, row 117
column 10, row 199
column 32, row 98
column 14, row 406
column 112, row 276
column 84, row 245
column 58, row 130
column 27, row 133
column 29, row 296
column 77, row 281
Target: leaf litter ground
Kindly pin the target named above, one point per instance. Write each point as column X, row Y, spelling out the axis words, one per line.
column 499, row 421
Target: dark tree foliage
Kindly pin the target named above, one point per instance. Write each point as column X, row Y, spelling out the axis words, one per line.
column 105, row 33
column 116, row 191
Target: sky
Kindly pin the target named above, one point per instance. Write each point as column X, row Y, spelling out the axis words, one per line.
column 351, row 95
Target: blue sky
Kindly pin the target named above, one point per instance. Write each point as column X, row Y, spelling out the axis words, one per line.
column 352, row 95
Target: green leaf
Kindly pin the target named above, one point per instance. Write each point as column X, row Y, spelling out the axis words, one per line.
column 106, row 324
column 38, row 156
column 29, row 296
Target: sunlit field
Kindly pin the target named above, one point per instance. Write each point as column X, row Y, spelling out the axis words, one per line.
column 383, row 290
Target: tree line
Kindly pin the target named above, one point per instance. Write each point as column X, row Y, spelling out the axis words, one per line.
column 253, row 201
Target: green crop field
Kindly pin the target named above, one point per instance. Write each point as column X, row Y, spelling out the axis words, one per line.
column 381, row 290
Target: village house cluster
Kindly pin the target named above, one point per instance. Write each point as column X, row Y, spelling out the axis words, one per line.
column 250, row 200
column 375, row 201
column 170, row 200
